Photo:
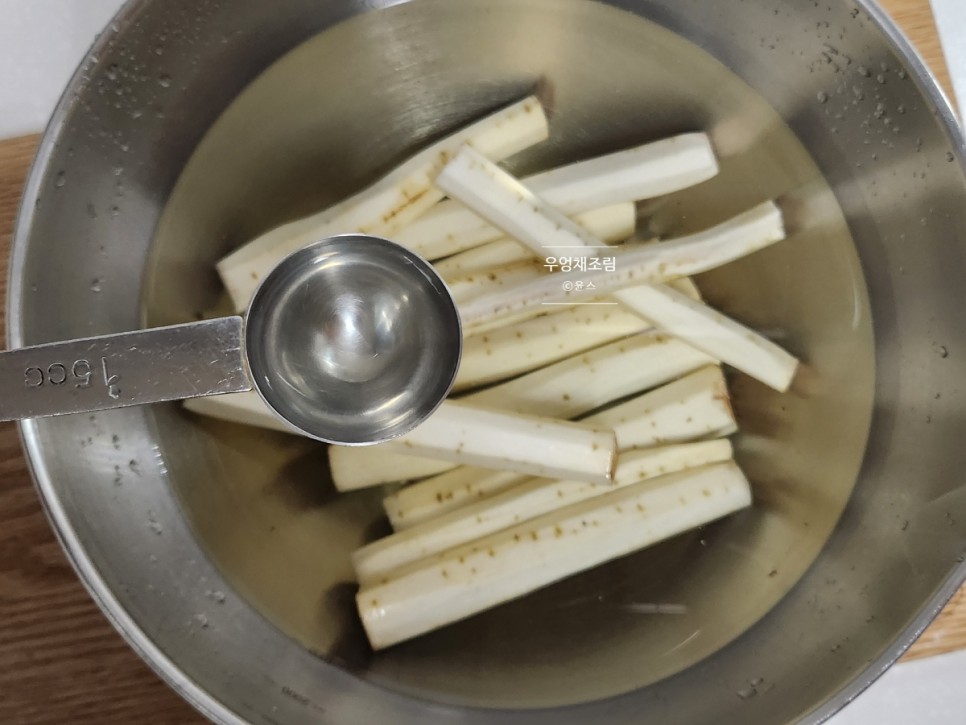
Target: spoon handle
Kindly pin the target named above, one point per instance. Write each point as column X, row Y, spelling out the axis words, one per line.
column 130, row 368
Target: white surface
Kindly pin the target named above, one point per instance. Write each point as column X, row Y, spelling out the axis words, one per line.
column 951, row 20
column 929, row 691
column 42, row 42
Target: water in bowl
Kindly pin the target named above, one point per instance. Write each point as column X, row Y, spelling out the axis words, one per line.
column 307, row 133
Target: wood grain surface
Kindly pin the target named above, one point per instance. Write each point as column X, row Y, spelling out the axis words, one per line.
column 60, row 660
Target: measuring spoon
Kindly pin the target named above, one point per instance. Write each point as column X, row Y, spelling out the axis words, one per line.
column 351, row 340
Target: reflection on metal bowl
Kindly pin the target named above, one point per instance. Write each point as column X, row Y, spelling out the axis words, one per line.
column 270, row 111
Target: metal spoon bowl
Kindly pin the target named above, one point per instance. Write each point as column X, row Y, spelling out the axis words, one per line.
column 351, row 340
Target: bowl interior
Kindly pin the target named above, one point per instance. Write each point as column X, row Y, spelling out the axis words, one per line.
column 342, row 108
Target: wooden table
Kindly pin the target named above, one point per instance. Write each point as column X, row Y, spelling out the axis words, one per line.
column 60, row 660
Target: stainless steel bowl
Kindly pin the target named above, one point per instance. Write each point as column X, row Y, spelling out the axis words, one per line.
column 221, row 552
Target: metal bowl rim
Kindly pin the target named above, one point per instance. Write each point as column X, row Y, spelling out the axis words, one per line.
column 150, row 653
